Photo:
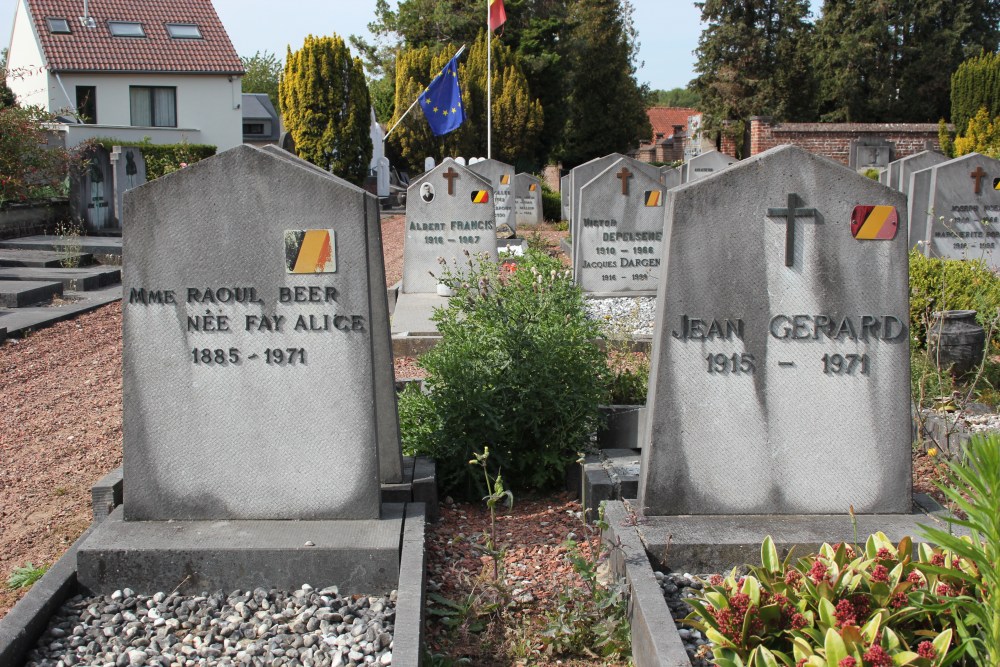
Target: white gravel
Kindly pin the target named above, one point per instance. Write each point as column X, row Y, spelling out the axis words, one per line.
column 628, row 316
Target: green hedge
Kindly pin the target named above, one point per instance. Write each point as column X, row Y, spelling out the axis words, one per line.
column 162, row 159
column 551, row 204
column 950, row 284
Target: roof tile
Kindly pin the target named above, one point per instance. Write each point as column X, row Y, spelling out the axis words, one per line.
column 663, row 119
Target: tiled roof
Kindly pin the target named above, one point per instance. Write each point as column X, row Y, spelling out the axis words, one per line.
column 96, row 50
column 663, row 119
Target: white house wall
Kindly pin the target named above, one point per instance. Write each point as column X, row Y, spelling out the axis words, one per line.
column 28, row 80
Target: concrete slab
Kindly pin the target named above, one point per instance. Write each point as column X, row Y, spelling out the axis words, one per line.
column 97, row 245
column 83, row 279
column 412, row 315
column 21, row 293
column 43, row 258
column 35, row 317
column 359, row 556
column 611, row 474
column 704, row 544
column 408, row 635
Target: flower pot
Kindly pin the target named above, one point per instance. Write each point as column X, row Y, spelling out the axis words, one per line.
column 956, row 340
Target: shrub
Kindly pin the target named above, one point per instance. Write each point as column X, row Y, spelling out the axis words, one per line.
column 515, row 371
column 950, row 284
column 551, row 204
column 27, row 166
column 163, row 159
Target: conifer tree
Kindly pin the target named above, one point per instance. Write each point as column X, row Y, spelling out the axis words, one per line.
column 975, row 85
column 325, row 106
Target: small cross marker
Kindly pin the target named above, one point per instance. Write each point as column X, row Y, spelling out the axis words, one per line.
column 624, row 175
column 789, row 214
column 978, row 175
column 450, row 176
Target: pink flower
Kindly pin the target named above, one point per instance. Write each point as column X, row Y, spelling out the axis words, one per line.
column 877, row 656
column 880, row 573
column 926, row 650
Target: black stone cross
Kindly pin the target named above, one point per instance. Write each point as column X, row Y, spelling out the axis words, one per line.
column 978, row 175
column 624, row 175
column 450, row 176
column 789, row 214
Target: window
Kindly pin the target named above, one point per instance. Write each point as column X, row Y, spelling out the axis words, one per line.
column 253, row 128
column 86, row 104
column 153, row 106
column 183, row 31
column 58, row 26
column 126, row 29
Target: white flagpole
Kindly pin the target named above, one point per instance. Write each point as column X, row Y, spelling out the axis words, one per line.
column 396, row 124
column 489, row 85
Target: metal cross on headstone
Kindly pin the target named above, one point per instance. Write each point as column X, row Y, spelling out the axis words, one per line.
column 624, row 175
column 789, row 214
column 978, row 175
column 450, row 176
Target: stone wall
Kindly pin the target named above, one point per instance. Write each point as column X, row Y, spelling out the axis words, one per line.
column 833, row 140
column 18, row 220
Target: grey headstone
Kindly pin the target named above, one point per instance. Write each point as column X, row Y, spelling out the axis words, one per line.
column 706, row 164
column 501, row 178
column 443, row 225
column 899, row 171
column 429, row 164
column 619, row 241
column 527, row 200
column 871, row 153
column 93, row 191
column 958, row 222
column 783, row 432
column 670, row 176
column 207, row 437
column 584, row 173
column 917, row 201
column 129, row 169
column 564, row 196
column 461, row 161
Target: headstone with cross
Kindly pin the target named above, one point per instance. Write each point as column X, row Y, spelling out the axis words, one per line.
column 956, row 209
column 448, row 210
column 780, row 382
column 501, row 177
column 619, row 239
column 584, row 173
column 527, row 200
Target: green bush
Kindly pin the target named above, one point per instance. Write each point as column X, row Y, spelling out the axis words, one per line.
column 29, row 169
column 515, row 371
column 950, row 284
column 551, row 204
column 162, row 159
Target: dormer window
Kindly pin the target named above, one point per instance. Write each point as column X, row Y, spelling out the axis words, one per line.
column 183, row 31
column 126, row 29
column 58, row 26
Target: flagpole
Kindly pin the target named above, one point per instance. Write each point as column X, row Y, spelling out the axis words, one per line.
column 396, row 124
column 489, row 85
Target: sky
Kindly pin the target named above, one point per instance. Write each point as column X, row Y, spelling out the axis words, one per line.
column 668, row 29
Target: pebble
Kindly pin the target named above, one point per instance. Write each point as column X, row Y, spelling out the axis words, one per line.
column 259, row 627
column 628, row 316
column 676, row 588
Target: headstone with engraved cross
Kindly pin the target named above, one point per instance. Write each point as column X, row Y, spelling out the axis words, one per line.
column 780, row 383
column 448, row 210
column 619, row 239
column 956, row 209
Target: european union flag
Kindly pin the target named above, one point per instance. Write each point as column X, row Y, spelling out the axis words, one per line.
column 442, row 101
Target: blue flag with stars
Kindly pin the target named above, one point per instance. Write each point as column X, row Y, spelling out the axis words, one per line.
column 442, row 101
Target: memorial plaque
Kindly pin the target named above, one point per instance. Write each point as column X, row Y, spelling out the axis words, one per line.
column 617, row 249
column 501, row 178
column 448, row 211
column 704, row 165
column 958, row 209
column 780, row 382
column 527, row 200
column 871, row 153
column 249, row 344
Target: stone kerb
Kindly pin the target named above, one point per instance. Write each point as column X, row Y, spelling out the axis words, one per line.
column 956, row 209
column 248, row 382
column 617, row 249
column 781, row 345
column 448, row 211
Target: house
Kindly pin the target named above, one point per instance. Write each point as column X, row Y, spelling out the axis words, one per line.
column 129, row 69
column 261, row 123
column 670, row 126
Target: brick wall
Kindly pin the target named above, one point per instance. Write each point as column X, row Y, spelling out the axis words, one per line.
column 833, row 140
column 550, row 176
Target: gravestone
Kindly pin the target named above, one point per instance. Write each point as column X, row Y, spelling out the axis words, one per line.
column 461, row 161
column 584, row 173
column 527, row 200
column 618, row 246
column 429, row 164
column 501, row 177
column 780, row 381
column 870, row 153
column 898, row 174
column 670, row 176
column 448, row 211
column 93, row 192
column 129, row 169
column 564, row 196
column 956, row 209
column 705, row 164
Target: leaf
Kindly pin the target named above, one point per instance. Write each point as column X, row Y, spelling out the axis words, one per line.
column 942, row 643
column 827, row 613
column 769, row 556
column 751, row 587
column 718, row 638
column 835, row 648
column 904, row 658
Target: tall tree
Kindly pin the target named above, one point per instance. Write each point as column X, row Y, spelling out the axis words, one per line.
column 263, row 70
column 325, row 105
column 975, row 85
column 675, row 97
column 752, row 61
column 606, row 105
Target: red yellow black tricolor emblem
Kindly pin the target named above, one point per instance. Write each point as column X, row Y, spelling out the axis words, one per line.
column 480, row 196
column 996, row 183
column 310, row 251
column 505, row 179
column 874, row 223
column 653, row 198
column 532, row 187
